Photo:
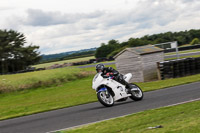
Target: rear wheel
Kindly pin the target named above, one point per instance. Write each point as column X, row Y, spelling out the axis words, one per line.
column 105, row 98
column 136, row 93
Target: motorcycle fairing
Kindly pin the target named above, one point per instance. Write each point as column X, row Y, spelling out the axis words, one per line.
column 118, row 89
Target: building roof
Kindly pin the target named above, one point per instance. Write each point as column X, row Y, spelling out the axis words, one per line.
column 141, row 50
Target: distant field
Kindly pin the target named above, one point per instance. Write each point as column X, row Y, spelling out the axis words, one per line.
column 64, row 61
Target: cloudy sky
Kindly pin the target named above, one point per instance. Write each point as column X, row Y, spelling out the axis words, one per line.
column 66, row 25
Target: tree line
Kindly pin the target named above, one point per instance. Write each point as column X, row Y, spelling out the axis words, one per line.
column 14, row 55
column 114, row 46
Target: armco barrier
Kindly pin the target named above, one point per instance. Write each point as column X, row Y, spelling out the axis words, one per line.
column 178, row 68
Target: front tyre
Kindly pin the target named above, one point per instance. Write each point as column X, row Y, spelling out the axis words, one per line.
column 105, row 98
column 136, row 93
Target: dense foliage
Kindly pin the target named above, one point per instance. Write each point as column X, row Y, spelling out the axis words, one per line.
column 182, row 37
column 14, row 56
column 106, row 49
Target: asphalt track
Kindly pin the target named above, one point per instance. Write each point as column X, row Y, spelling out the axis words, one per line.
column 87, row 113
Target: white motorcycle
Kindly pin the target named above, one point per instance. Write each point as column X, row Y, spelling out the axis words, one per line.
column 109, row 90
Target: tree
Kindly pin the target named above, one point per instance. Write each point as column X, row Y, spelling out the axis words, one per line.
column 14, row 56
column 102, row 51
column 135, row 42
column 195, row 41
column 106, row 49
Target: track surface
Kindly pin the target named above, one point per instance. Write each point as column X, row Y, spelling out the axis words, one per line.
column 83, row 114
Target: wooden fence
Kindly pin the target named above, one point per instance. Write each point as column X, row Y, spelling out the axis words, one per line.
column 178, row 68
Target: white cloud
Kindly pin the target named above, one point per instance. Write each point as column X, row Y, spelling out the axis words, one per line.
column 75, row 24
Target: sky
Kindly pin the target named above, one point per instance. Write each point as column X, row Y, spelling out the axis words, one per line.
column 67, row 25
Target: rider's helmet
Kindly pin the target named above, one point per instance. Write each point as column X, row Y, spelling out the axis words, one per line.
column 99, row 67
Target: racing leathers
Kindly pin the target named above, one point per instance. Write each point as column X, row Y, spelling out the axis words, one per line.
column 109, row 71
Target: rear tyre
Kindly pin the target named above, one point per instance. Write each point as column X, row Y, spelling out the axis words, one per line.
column 137, row 93
column 105, row 98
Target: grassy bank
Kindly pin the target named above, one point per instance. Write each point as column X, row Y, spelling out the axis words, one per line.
column 44, row 78
column 73, row 93
column 177, row 119
column 43, row 99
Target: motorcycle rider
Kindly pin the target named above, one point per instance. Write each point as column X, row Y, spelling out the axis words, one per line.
column 109, row 71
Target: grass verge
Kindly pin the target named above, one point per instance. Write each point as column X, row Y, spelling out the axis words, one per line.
column 73, row 93
column 175, row 119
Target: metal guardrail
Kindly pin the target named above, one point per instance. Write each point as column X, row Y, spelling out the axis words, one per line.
column 178, row 68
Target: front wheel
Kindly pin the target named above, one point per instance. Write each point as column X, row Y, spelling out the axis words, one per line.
column 105, row 98
column 136, row 93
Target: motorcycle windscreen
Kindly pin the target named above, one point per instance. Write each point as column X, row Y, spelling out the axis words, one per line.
column 127, row 77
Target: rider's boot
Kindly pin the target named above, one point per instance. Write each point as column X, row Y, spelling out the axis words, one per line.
column 128, row 87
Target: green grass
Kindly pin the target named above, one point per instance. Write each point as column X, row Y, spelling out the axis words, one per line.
column 43, row 99
column 44, row 78
column 73, row 93
column 41, row 78
column 44, row 65
column 183, row 52
column 177, row 119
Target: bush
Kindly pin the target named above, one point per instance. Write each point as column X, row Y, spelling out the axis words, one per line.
column 195, row 41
